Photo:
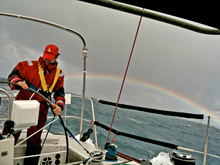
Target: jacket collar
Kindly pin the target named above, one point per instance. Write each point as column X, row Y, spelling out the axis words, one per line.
column 49, row 67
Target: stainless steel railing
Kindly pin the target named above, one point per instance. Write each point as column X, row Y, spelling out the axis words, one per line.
column 95, row 132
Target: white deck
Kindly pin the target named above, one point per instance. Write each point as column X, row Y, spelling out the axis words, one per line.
column 56, row 144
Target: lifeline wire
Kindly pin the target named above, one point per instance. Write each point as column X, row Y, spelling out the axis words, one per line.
column 35, row 132
column 124, row 76
column 51, row 106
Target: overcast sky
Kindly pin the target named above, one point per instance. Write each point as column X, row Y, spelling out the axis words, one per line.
column 171, row 68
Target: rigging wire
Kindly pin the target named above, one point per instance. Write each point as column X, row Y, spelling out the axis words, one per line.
column 124, row 76
column 47, row 134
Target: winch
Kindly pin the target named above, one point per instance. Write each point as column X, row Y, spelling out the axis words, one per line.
column 96, row 158
column 111, row 153
column 181, row 158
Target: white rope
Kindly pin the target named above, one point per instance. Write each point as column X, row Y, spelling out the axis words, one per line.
column 36, row 132
column 188, row 149
column 33, row 94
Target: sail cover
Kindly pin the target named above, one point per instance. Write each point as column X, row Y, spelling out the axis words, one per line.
column 155, row 111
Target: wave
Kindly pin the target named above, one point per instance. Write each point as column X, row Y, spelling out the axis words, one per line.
column 162, row 159
column 134, row 120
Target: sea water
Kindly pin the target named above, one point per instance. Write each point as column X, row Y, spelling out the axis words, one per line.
column 184, row 133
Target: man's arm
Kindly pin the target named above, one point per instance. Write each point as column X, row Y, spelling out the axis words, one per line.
column 15, row 76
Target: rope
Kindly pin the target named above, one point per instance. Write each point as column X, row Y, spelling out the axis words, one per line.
column 191, row 150
column 114, row 137
column 91, row 124
column 124, row 77
column 129, row 158
column 35, row 133
column 70, row 133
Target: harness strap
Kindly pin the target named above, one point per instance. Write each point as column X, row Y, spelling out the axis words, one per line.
column 55, row 80
column 42, row 78
column 43, row 81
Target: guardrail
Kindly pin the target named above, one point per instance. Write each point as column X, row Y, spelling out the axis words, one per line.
column 64, row 116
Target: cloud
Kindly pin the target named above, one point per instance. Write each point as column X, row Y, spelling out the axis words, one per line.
column 12, row 52
column 176, row 59
column 216, row 104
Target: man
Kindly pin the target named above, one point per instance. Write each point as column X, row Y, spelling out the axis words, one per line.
column 45, row 77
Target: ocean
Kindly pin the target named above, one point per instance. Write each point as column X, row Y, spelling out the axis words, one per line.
column 181, row 132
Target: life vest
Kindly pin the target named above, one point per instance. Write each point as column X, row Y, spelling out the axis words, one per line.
column 43, row 81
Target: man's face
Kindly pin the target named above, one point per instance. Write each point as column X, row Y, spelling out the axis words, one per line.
column 47, row 61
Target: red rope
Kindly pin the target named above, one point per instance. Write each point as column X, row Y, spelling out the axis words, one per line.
column 91, row 124
column 128, row 157
column 124, row 77
column 114, row 137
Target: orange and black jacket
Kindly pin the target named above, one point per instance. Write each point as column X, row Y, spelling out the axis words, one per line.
column 28, row 71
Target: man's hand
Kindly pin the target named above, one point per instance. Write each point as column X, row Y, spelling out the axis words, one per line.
column 22, row 84
column 57, row 110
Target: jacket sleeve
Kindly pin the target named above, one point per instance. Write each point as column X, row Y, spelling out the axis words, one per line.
column 16, row 75
column 59, row 93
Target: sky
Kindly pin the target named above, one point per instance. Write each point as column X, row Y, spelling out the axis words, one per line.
column 171, row 68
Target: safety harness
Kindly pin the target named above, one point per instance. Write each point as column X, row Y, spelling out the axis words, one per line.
column 43, row 81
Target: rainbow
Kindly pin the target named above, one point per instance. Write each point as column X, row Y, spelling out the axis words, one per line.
column 155, row 87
